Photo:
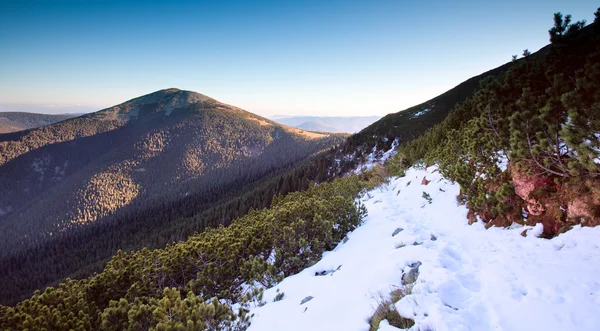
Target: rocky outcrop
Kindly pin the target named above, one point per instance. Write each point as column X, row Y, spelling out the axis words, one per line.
column 585, row 207
column 525, row 187
column 557, row 203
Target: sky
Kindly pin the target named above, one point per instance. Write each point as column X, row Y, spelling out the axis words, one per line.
column 322, row 58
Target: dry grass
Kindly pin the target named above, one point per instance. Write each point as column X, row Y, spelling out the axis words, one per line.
column 261, row 122
column 304, row 133
column 386, row 310
column 307, row 134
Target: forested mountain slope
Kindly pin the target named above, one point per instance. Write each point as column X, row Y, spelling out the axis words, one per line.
column 525, row 148
column 412, row 122
column 222, row 270
column 505, row 228
column 170, row 154
column 17, row 121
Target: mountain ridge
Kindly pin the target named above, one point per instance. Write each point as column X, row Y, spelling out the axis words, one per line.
column 19, row 121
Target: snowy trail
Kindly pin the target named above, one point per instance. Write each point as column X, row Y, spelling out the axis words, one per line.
column 470, row 278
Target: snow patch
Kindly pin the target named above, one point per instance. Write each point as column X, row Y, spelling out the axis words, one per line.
column 40, row 165
column 373, row 158
column 471, row 278
column 421, row 112
column 502, row 162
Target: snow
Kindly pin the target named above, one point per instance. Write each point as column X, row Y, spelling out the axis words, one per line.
column 385, row 326
column 421, row 112
column 502, row 161
column 596, row 149
column 372, row 158
column 470, row 278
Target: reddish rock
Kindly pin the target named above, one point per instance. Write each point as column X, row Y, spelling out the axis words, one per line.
column 551, row 225
column 425, row 181
column 535, row 208
column 584, row 206
column 471, row 217
column 525, row 184
column 578, row 207
column 500, row 221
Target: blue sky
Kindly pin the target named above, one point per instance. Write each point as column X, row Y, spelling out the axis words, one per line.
column 327, row 58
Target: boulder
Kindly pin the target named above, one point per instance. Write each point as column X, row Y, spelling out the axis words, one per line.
column 305, row 300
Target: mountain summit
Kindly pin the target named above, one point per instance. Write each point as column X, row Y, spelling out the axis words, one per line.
column 162, row 101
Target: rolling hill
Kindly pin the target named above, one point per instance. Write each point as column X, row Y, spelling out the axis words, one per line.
column 18, row 121
column 169, row 153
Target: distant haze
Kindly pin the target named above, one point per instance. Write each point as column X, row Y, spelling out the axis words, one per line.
column 48, row 109
column 351, row 124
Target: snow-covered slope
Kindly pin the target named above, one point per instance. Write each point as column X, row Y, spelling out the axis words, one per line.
column 470, row 278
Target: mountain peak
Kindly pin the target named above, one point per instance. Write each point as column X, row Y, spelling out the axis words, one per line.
column 169, row 93
column 165, row 101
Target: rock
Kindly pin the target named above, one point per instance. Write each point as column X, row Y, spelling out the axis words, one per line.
column 327, row 272
column 412, row 275
column 345, row 240
column 417, row 243
column 500, row 221
column 471, row 217
column 415, row 265
column 535, row 208
column 585, row 206
column 433, row 238
column 305, row 300
column 525, row 185
column 398, row 230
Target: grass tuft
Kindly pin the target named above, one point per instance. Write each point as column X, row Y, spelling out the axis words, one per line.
column 386, row 310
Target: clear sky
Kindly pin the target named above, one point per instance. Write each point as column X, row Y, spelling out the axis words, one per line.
column 327, row 58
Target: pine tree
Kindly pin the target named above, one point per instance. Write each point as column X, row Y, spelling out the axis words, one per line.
column 563, row 27
column 560, row 26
